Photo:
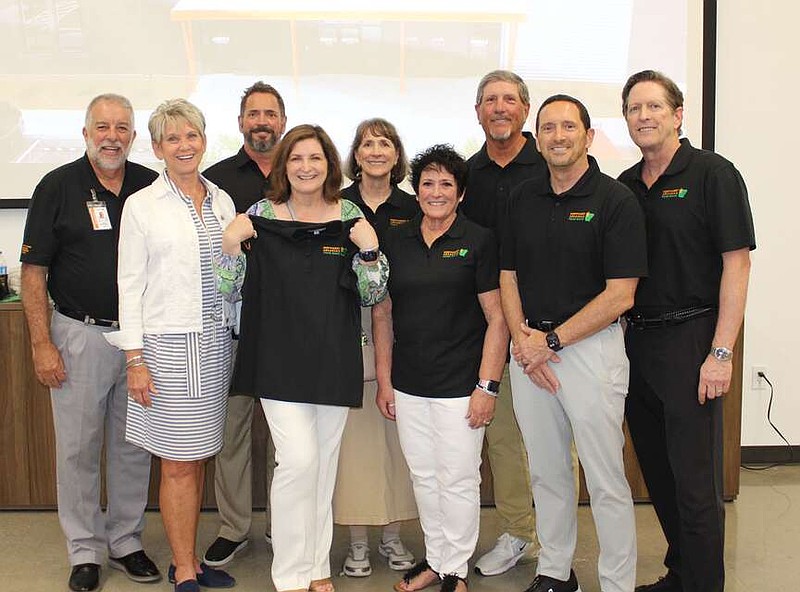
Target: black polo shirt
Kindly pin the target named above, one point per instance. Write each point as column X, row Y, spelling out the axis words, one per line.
column 301, row 319
column 241, row 178
column 398, row 209
column 697, row 210
column 439, row 325
column 82, row 262
column 489, row 185
column 564, row 247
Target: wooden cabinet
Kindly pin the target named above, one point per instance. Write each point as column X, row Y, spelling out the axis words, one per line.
column 27, row 444
column 27, row 453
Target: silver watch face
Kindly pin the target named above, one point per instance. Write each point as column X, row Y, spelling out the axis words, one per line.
column 723, row 354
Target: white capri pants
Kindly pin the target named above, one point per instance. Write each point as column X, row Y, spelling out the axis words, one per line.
column 444, row 458
column 307, row 439
column 588, row 407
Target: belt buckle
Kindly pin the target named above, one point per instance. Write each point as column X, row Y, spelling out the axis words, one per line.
column 547, row 326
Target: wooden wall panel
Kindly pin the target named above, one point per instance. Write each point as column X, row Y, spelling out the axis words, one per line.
column 27, row 444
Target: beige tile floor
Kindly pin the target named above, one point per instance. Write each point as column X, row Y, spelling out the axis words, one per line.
column 762, row 553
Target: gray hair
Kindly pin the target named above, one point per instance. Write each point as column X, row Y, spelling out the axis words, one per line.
column 171, row 111
column 504, row 76
column 111, row 98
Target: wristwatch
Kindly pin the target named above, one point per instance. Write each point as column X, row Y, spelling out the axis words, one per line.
column 553, row 342
column 490, row 387
column 368, row 256
column 723, row 354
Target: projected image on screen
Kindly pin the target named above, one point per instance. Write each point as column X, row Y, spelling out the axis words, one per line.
column 415, row 62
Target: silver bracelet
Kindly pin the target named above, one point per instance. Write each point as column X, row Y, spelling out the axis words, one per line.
column 133, row 360
column 479, row 386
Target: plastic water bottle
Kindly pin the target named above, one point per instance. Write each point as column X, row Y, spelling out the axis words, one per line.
column 3, row 276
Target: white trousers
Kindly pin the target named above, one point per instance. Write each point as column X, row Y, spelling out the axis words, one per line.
column 588, row 407
column 307, row 439
column 444, row 458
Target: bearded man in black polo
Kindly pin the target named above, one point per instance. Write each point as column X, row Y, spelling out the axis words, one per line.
column 70, row 250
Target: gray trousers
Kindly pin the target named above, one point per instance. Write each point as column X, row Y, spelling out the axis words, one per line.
column 589, row 406
column 233, row 469
column 88, row 409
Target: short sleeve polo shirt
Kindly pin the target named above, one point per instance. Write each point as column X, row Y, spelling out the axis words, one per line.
column 697, row 210
column 489, row 185
column 564, row 247
column 81, row 261
column 439, row 324
column 399, row 208
column 241, row 178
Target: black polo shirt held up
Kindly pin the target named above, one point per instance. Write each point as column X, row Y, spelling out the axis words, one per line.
column 697, row 210
column 59, row 235
column 564, row 247
column 439, row 325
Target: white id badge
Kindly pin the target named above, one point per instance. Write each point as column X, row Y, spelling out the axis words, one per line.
column 99, row 215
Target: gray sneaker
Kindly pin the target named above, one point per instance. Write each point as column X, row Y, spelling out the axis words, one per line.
column 507, row 551
column 399, row 557
column 356, row 564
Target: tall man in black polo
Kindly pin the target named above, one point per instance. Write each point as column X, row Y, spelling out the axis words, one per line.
column 70, row 250
column 245, row 176
column 683, row 328
column 573, row 249
column 507, row 157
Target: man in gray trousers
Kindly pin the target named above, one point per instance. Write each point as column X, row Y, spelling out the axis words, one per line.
column 573, row 250
column 70, row 250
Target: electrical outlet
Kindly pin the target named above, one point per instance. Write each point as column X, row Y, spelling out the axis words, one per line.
column 758, row 383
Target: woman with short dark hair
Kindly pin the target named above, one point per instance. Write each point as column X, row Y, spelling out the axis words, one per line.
column 441, row 343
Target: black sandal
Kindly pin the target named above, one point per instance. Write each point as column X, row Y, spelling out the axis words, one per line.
column 415, row 571
column 450, row 583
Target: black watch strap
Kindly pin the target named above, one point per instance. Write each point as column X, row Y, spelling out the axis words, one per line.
column 553, row 342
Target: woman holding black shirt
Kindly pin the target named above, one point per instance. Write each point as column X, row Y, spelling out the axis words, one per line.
column 441, row 343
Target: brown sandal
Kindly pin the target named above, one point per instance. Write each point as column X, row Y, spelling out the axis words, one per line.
column 416, row 571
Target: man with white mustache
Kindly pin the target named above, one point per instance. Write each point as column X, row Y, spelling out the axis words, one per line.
column 245, row 177
column 572, row 252
column 507, row 157
column 70, row 250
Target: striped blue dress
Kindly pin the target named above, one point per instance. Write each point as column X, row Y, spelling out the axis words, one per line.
column 191, row 371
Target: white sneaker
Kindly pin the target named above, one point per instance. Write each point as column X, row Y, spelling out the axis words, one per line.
column 400, row 558
column 507, row 551
column 356, row 564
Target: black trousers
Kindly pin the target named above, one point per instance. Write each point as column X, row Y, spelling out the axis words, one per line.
column 679, row 446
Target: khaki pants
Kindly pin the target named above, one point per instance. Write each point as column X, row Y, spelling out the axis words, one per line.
column 233, row 476
column 509, row 464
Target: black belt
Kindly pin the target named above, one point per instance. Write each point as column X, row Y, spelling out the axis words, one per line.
column 544, row 326
column 668, row 319
column 547, row 326
column 87, row 319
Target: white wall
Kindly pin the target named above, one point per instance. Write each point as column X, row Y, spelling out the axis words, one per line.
column 757, row 93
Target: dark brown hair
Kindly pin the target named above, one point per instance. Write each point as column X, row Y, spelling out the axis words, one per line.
column 377, row 127
column 279, row 183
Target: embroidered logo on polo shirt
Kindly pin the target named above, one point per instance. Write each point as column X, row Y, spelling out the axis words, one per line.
column 451, row 253
column 580, row 216
column 674, row 193
column 397, row 221
column 334, row 250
